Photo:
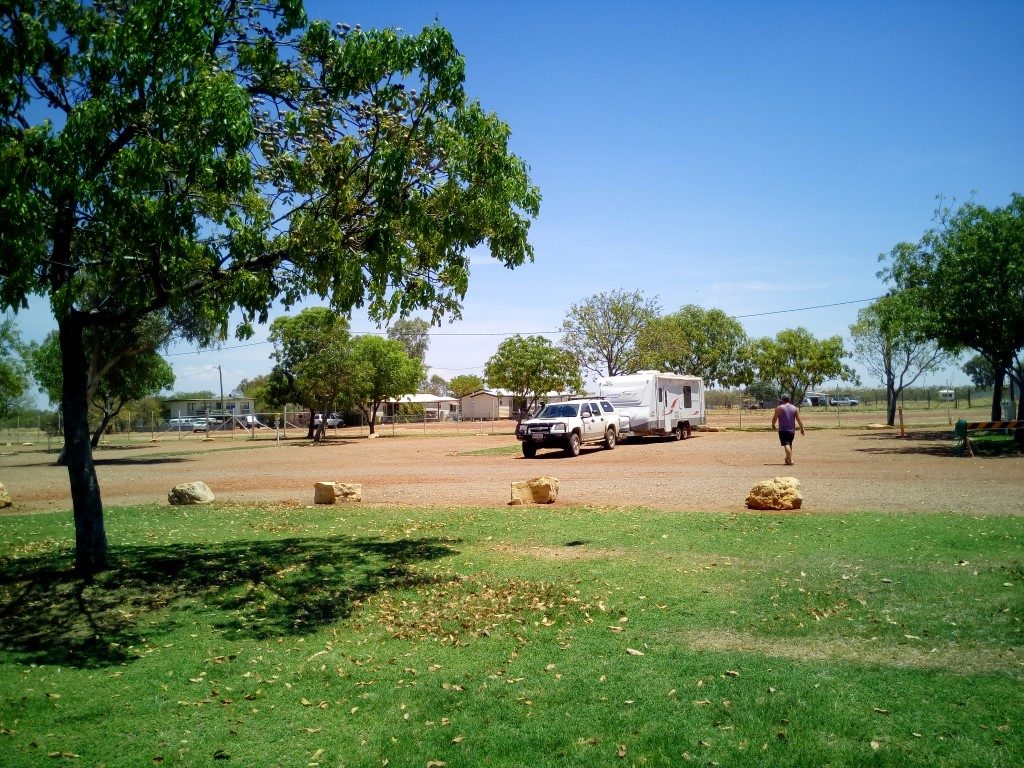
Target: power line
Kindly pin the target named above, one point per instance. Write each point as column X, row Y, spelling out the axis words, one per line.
column 535, row 333
column 801, row 309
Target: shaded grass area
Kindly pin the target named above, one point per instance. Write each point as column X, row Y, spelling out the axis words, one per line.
column 569, row 636
column 990, row 444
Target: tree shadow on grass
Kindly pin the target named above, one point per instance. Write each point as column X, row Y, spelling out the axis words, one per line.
column 254, row 589
column 938, row 443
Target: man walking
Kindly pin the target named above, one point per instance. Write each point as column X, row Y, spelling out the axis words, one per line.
column 787, row 418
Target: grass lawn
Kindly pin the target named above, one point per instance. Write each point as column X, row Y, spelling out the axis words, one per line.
column 361, row 636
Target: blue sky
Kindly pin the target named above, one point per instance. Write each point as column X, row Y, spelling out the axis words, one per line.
column 753, row 157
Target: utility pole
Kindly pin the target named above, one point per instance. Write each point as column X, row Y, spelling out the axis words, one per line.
column 220, row 375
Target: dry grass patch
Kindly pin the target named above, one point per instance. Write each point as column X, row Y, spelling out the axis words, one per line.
column 571, row 551
column 452, row 612
column 948, row 658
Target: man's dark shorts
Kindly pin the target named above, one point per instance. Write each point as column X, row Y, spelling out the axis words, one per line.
column 786, row 438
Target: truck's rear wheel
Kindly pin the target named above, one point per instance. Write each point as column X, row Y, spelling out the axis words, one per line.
column 572, row 448
column 610, row 439
column 529, row 450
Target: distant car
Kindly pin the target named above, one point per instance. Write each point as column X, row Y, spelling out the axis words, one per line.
column 838, row 401
column 333, row 420
column 200, row 426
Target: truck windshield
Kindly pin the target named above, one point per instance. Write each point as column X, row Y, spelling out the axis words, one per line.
column 558, row 411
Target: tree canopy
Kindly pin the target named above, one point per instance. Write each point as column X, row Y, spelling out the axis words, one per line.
column 465, row 384
column 889, row 339
column 14, row 374
column 312, row 365
column 382, row 370
column 967, row 276
column 206, row 157
column 795, row 361
column 414, row 333
column 703, row 342
column 530, row 366
column 979, row 371
column 602, row 331
column 113, row 387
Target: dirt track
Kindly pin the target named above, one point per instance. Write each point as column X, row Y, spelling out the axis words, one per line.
column 839, row 469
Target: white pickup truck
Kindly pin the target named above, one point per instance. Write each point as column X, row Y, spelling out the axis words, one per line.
column 571, row 424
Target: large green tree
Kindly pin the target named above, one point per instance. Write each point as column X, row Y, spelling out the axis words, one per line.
column 211, row 156
column 530, row 366
column 602, row 331
column 312, row 365
column 14, row 374
column 967, row 276
column 889, row 339
column 795, row 361
column 703, row 342
column 382, row 370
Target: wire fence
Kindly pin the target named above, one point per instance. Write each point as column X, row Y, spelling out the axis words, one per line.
column 44, row 428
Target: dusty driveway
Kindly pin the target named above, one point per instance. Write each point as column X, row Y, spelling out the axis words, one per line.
column 840, row 470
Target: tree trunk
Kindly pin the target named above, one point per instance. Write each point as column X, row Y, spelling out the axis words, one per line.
column 90, row 536
column 312, row 426
column 98, row 433
column 997, row 396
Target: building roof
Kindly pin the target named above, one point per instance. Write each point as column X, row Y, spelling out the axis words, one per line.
column 422, row 398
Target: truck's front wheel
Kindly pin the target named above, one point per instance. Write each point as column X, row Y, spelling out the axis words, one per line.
column 572, row 448
column 529, row 450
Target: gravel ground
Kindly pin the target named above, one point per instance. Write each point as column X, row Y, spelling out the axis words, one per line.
column 840, row 470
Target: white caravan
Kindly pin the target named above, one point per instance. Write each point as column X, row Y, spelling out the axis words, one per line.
column 657, row 403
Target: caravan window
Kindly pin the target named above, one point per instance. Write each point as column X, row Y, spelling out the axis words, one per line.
column 687, row 398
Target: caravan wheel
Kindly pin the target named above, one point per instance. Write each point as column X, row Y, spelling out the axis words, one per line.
column 680, row 433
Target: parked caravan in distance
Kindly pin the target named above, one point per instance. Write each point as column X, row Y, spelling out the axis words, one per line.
column 657, row 404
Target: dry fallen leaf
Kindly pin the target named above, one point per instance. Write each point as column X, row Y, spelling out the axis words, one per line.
column 634, row 652
column 436, row 764
column 622, row 750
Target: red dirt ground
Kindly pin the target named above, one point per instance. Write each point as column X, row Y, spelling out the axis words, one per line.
column 840, row 470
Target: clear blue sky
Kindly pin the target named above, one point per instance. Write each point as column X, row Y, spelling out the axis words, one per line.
column 753, row 157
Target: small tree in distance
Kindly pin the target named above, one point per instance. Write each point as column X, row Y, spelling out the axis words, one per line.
column 381, row 370
column 529, row 367
column 795, row 361
column 889, row 339
column 603, row 332
column 465, row 384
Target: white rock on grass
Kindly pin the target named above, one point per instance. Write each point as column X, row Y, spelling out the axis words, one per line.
column 191, row 493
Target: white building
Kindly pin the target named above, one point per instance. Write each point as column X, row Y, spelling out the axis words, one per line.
column 501, row 404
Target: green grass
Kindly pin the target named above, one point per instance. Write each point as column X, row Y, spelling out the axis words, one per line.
column 995, row 444
column 539, row 636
